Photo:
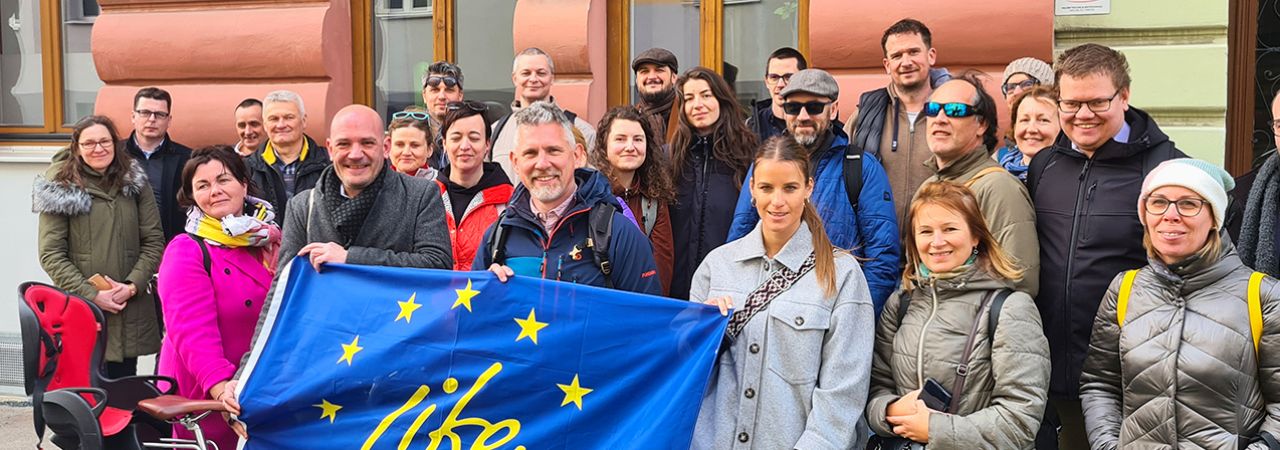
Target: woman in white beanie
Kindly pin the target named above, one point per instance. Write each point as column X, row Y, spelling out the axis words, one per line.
column 1179, row 356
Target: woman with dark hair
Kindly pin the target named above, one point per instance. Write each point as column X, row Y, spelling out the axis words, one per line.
column 711, row 148
column 99, row 223
column 961, row 360
column 475, row 192
column 796, row 360
column 214, row 280
column 627, row 152
column 412, row 146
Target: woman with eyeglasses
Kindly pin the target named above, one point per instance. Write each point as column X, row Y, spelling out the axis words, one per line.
column 1020, row 76
column 795, row 362
column 100, row 237
column 961, row 361
column 1180, row 355
column 711, row 148
column 1035, row 126
column 475, row 192
column 627, row 152
column 411, row 143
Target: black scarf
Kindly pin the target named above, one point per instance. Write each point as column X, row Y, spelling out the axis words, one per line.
column 348, row 215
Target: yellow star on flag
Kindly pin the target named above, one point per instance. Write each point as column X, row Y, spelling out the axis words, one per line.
column 529, row 327
column 350, row 350
column 465, row 296
column 573, row 393
column 329, row 410
column 407, row 308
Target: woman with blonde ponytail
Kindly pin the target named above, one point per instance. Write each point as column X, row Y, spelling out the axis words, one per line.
column 795, row 363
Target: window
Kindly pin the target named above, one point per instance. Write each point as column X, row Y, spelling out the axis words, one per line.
column 403, row 48
column 665, row 24
column 753, row 29
column 47, row 76
column 485, row 49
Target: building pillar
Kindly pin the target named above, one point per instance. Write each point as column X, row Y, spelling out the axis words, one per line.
column 844, row 38
column 210, row 55
column 573, row 33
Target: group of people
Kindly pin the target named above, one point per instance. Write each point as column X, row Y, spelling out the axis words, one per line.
column 922, row 280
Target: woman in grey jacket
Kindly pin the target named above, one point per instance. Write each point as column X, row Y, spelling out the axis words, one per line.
column 956, row 273
column 794, row 366
column 1179, row 354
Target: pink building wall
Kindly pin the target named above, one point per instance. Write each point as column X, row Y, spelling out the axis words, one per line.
column 573, row 33
column 211, row 55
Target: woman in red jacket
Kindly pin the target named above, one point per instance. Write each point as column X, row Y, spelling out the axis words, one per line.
column 640, row 171
column 474, row 192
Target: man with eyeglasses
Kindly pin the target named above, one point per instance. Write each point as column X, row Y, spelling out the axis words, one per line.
column 289, row 161
column 159, row 155
column 888, row 123
column 767, row 119
column 1085, row 189
column 656, row 70
column 961, row 122
column 441, row 86
column 1255, row 208
column 850, row 189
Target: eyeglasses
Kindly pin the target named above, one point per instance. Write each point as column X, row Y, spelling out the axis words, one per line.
column 435, row 80
column 159, row 115
column 89, row 145
column 773, row 78
column 813, row 108
column 952, row 110
column 416, row 115
column 468, row 104
column 1097, row 105
column 1008, row 88
column 1187, row 207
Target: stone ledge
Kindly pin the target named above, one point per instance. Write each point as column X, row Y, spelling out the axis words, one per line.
column 23, row 154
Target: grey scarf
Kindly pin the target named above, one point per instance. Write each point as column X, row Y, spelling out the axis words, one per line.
column 1258, row 229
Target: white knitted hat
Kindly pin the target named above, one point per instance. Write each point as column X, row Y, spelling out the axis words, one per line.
column 1208, row 180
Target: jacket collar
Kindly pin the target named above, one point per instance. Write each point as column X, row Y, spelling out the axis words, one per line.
column 593, row 188
column 792, row 255
column 131, row 144
column 965, row 278
column 976, row 159
column 1144, row 134
column 1196, row 272
column 269, row 153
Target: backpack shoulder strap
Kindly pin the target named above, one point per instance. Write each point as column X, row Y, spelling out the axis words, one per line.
column 570, row 115
column 498, row 242
column 600, row 229
column 497, row 131
column 1255, row 308
column 904, row 302
column 981, row 173
column 204, row 253
column 1122, row 300
column 648, row 214
column 997, row 304
column 853, row 174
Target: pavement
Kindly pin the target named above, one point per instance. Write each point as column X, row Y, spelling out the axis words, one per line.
column 16, row 431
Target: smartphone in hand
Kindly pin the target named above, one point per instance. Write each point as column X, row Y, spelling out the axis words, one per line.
column 935, row 396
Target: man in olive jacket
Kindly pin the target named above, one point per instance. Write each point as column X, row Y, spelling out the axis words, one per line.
column 961, row 149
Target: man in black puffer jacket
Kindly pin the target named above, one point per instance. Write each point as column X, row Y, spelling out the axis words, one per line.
column 1085, row 189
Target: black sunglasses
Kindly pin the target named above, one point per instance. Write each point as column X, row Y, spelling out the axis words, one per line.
column 952, row 110
column 416, row 115
column 435, row 80
column 813, row 108
column 468, row 104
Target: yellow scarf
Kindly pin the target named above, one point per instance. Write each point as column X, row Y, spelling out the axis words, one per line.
column 269, row 153
column 211, row 229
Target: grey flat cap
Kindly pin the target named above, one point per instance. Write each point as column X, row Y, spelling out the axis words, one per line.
column 813, row 81
column 659, row 56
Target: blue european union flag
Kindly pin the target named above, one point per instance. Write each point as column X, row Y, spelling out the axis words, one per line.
column 363, row 357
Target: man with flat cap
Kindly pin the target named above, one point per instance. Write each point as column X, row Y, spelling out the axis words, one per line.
column 656, row 70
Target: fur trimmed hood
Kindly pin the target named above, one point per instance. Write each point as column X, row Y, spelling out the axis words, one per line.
column 66, row 199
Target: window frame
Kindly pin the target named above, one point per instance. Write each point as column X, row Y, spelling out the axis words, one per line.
column 52, row 79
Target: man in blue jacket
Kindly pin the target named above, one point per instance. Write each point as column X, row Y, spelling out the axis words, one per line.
column 564, row 223
column 868, row 228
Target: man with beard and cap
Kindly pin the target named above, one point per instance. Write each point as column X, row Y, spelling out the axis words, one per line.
column 656, row 70
column 865, row 224
column 767, row 119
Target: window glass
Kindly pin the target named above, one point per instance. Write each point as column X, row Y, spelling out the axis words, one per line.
column 403, row 48
column 21, row 64
column 665, row 24
column 79, row 76
column 752, row 30
column 485, row 50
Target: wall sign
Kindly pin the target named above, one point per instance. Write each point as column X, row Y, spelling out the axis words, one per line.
column 1081, row 7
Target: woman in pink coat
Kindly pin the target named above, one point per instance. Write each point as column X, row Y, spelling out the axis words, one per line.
column 211, row 304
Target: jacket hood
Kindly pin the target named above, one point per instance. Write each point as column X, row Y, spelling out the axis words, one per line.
column 493, row 175
column 1144, row 135
column 66, row 199
column 593, row 188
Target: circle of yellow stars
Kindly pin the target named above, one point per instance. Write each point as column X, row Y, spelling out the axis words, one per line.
column 529, row 328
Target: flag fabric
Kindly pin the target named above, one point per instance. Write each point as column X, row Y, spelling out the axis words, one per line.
column 365, row 357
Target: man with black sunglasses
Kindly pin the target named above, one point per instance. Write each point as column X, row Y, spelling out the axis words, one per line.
column 1085, row 189
column 961, row 123
column 850, row 189
column 441, row 86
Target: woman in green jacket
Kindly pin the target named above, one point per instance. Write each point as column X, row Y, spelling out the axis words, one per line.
column 98, row 216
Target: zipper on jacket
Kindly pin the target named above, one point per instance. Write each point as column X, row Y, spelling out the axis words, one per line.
column 1081, row 196
column 933, row 312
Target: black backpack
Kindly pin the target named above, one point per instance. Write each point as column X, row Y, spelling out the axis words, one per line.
column 599, row 233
